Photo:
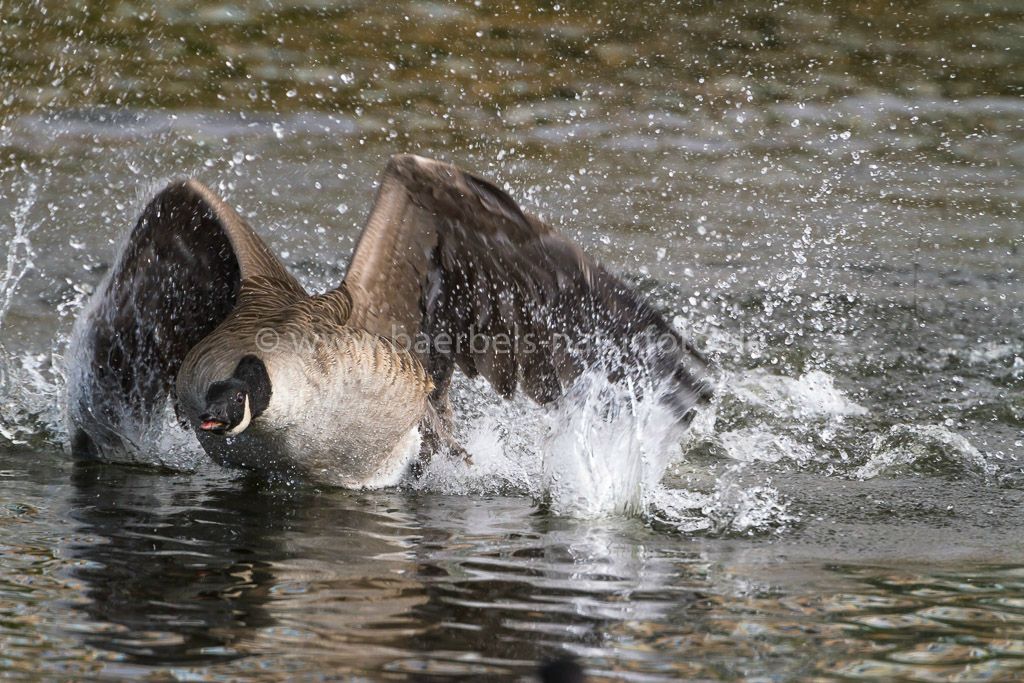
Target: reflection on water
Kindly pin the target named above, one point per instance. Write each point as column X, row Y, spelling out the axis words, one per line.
column 122, row 573
column 826, row 195
column 152, row 559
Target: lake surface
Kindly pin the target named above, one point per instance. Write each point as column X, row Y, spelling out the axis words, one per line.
column 827, row 200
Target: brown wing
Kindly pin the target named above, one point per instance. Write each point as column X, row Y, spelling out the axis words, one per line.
column 176, row 278
column 450, row 264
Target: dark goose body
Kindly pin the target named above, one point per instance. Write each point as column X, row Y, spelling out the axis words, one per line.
column 352, row 383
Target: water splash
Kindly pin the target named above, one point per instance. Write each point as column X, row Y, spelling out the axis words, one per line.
column 760, row 417
column 731, row 507
column 761, row 444
column 30, row 384
column 501, row 462
column 603, row 452
column 33, row 386
column 19, row 250
column 812, row 395
column 607, row 450
column 926, row 449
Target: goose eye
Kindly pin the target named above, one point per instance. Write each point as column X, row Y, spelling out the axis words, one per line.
column 239, row 397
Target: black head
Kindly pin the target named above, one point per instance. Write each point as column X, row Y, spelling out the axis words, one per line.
column 233, row 403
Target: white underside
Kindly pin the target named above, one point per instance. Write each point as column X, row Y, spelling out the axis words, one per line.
column 396, row 466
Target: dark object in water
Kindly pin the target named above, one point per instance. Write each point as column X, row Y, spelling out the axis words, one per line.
column 562, row 670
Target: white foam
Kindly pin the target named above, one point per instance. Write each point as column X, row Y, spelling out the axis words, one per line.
column 812, row 395
column 760, row 444
column 922, row 447
column 730, row 507
column 31, row 392
column 497, row 465
column 992, row 352
column 600, row 452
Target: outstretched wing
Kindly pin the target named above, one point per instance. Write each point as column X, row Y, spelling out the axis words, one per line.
column 449, row 264
column 176, row 278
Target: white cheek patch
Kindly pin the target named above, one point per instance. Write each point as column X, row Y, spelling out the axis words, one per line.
column 246, row 419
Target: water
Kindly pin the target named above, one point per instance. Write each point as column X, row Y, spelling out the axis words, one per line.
column 827, row 200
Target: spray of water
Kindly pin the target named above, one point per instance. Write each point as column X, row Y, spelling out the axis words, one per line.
column 19, row 250
column 29, row 384
column 606, row 450
column 126, row 437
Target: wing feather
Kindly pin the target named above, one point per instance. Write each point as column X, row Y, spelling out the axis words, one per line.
column 176, row 278
column 450, row 263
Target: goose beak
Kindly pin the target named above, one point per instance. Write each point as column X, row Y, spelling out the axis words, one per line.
column 210, row 424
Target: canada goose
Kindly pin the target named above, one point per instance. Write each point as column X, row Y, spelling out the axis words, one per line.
column 339, row 387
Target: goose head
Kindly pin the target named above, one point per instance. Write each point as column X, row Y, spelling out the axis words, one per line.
column 232, row 404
